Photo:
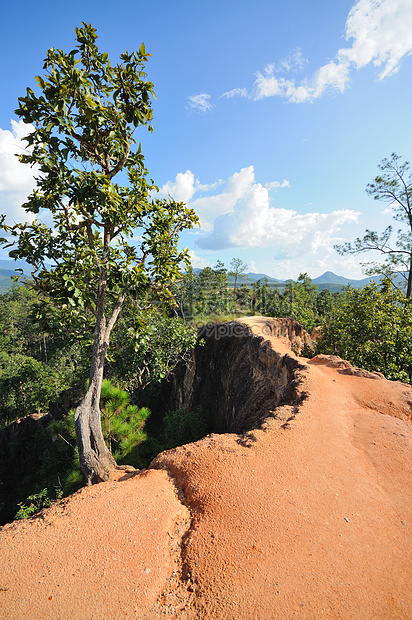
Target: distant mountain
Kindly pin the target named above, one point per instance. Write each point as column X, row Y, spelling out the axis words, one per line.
column 327, row 280
column 11, row 265
column 255, row 277
column 331, row 278
column 8, row 270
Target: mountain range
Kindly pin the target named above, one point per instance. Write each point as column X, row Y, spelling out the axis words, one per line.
column 327, row 280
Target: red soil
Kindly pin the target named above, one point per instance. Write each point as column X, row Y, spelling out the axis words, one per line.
column 309, row 517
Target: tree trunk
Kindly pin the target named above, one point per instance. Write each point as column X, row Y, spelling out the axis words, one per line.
column 409, row 286
column 96, row 461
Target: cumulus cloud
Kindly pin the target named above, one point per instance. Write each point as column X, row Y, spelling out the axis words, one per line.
column 380, row 34
column 185, row 186
column 200, row 103
column 181, row 189
column 251, row 221
column 16, row 179
column 240, row 214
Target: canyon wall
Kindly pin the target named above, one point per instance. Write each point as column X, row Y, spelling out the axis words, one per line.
column 236, row 377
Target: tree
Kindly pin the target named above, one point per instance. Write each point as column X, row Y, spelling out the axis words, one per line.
column 324, row 304
column 372, row 329
column 393, row 186
column 149, row 350
column 37, row 367
column 84, row 120
column 298, row 301
column 237, row 271
column 213, row 295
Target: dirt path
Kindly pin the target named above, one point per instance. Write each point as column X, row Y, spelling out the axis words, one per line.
column 304, row 519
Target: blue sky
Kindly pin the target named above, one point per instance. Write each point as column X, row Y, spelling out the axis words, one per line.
column 270, row 121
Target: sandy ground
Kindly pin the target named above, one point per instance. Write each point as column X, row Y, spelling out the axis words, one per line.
column 306, row 519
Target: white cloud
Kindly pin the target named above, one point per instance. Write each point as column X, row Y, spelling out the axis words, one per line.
column 250, row 221
column 335, row 75
column 332, row 75
column 380, row 30
column 268, row 85
column 200, row 103
column 182, row 189
column 240, row 214
column 210, row 207
column 277, row 185
column 294, row 62
column 16, row 179
column 197, row 261
column 235, row 92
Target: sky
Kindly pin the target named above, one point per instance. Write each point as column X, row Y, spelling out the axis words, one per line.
column 271, row 117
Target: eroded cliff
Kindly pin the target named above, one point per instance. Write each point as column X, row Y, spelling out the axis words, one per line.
column 237, row 377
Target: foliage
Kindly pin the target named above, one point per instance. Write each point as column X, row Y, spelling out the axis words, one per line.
column 182, row 426
column 37, row 368
column 38, row 501
column 148, row 346
column 18, row 334
column 122, row 422
column 212, row 294
column 208, row 297
column 26, row 386
column 394, row 187
column 372, row 329
column 299, row 301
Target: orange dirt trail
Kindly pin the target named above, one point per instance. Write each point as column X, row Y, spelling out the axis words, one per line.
column 305, row 519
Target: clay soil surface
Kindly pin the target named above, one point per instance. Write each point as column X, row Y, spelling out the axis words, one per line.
column 308, row 517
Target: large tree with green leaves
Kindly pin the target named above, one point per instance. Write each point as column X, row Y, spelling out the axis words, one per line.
column 84, row 120
column 394, row 187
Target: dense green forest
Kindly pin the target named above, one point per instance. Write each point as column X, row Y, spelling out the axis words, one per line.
column 44, row 362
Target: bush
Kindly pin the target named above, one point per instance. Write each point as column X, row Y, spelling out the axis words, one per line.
column 38, row 501
column 372, row 330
